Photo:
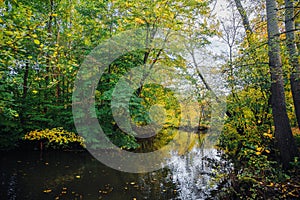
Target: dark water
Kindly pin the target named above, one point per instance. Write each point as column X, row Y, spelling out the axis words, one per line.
column 77, row 175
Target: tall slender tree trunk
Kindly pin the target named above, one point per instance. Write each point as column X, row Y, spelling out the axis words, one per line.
column 56, row 69
column 25, row 81
column 249, row 32
column 24, row 95
column 48, row 60
column 283, row 133
column 297, row 26
column 293, row 54
column 244, row 16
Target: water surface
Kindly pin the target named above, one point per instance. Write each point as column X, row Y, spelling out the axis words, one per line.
column 46, row 175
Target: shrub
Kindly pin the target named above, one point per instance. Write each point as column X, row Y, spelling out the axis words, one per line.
column 55, row 138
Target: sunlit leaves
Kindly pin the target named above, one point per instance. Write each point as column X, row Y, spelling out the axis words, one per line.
column 55, row 137
column 37, row 42
column 43, row 45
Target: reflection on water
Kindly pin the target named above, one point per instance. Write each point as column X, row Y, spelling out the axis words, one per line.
column 192, row 173
column 77, row 175
column 11, row 192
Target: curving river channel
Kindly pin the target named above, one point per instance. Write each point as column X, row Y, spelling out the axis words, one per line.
column 34, row 175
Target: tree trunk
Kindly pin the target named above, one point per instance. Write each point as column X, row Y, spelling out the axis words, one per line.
column 283, row 133
column 56, row 69
column 244, row 16
column 293, row 54
column 297, row 26
column 24, row 95
column 25, row 81
column 48, row 60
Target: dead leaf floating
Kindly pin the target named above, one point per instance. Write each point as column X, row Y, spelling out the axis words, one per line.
column 47, row 191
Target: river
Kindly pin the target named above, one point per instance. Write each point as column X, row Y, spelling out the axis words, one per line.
column 35, row 175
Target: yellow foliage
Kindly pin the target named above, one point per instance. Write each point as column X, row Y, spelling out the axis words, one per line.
column 296, row 131
column 36, row 41
column 139, row 21
column 259, row 149
column 269, row 135
column 55, row 135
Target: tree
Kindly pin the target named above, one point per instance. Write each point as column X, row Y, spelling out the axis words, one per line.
column 293, row 55
column 244, row 16
column 283, row 133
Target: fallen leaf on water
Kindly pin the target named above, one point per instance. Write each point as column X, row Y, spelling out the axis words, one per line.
column 47, row 191
column 271, row 184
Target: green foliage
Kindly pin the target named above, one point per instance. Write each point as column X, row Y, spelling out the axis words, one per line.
column 44, row 43
column 297, row 138
column 9, row 117
column 248, row 136
column 255, row 174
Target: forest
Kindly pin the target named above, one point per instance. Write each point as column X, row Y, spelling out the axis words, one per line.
column 149, row 72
